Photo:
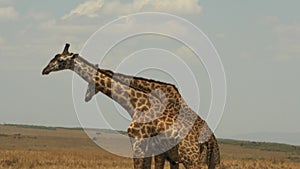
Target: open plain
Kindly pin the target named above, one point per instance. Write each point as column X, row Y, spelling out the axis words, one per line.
column 38, row 147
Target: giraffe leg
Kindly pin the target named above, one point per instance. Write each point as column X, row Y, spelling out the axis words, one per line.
column 213, row 159
column 174, row 166
column 192, row 166
column 147, row 162
column 159, row 161
column 173, row 157
column 203, row 153
column 137, row 163
column 142, row 159
column 142, row 163
column 191, row 156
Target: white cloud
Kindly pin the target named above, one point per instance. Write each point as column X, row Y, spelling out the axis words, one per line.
column 8, row 13
column 95, row 7
column 89, row 8
column 53, row 26
column 61, row 32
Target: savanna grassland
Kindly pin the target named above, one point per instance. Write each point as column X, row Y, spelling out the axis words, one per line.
column 36, row 147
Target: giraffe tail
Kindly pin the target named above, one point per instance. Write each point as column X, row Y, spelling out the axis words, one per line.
column 213, row 154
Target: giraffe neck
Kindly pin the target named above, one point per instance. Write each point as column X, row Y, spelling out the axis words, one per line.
column 167, row 93
column 132, row 100
column 84, row 69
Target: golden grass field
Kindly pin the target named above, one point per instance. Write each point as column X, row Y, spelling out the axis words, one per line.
column 57, row 148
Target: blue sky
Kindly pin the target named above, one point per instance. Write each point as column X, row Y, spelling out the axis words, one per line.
column 258, row 42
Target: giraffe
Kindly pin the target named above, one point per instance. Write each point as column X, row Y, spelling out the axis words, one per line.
column 171, row 95
column 150, row 116
column 159, row 159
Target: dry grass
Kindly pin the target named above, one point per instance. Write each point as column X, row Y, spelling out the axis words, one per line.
column 71, row 159
column 27, row 148
column 259, row 164
column 66, row 159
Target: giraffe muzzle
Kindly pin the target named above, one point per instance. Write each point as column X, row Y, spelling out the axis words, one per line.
column 46, row 71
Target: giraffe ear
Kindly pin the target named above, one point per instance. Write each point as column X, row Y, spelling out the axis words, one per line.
column 66, row 49
column 75, row 55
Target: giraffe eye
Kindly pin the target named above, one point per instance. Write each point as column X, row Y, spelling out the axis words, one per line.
column 61, row 63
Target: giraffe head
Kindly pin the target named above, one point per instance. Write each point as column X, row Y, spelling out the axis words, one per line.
column 62, row 61
column 90, row 92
